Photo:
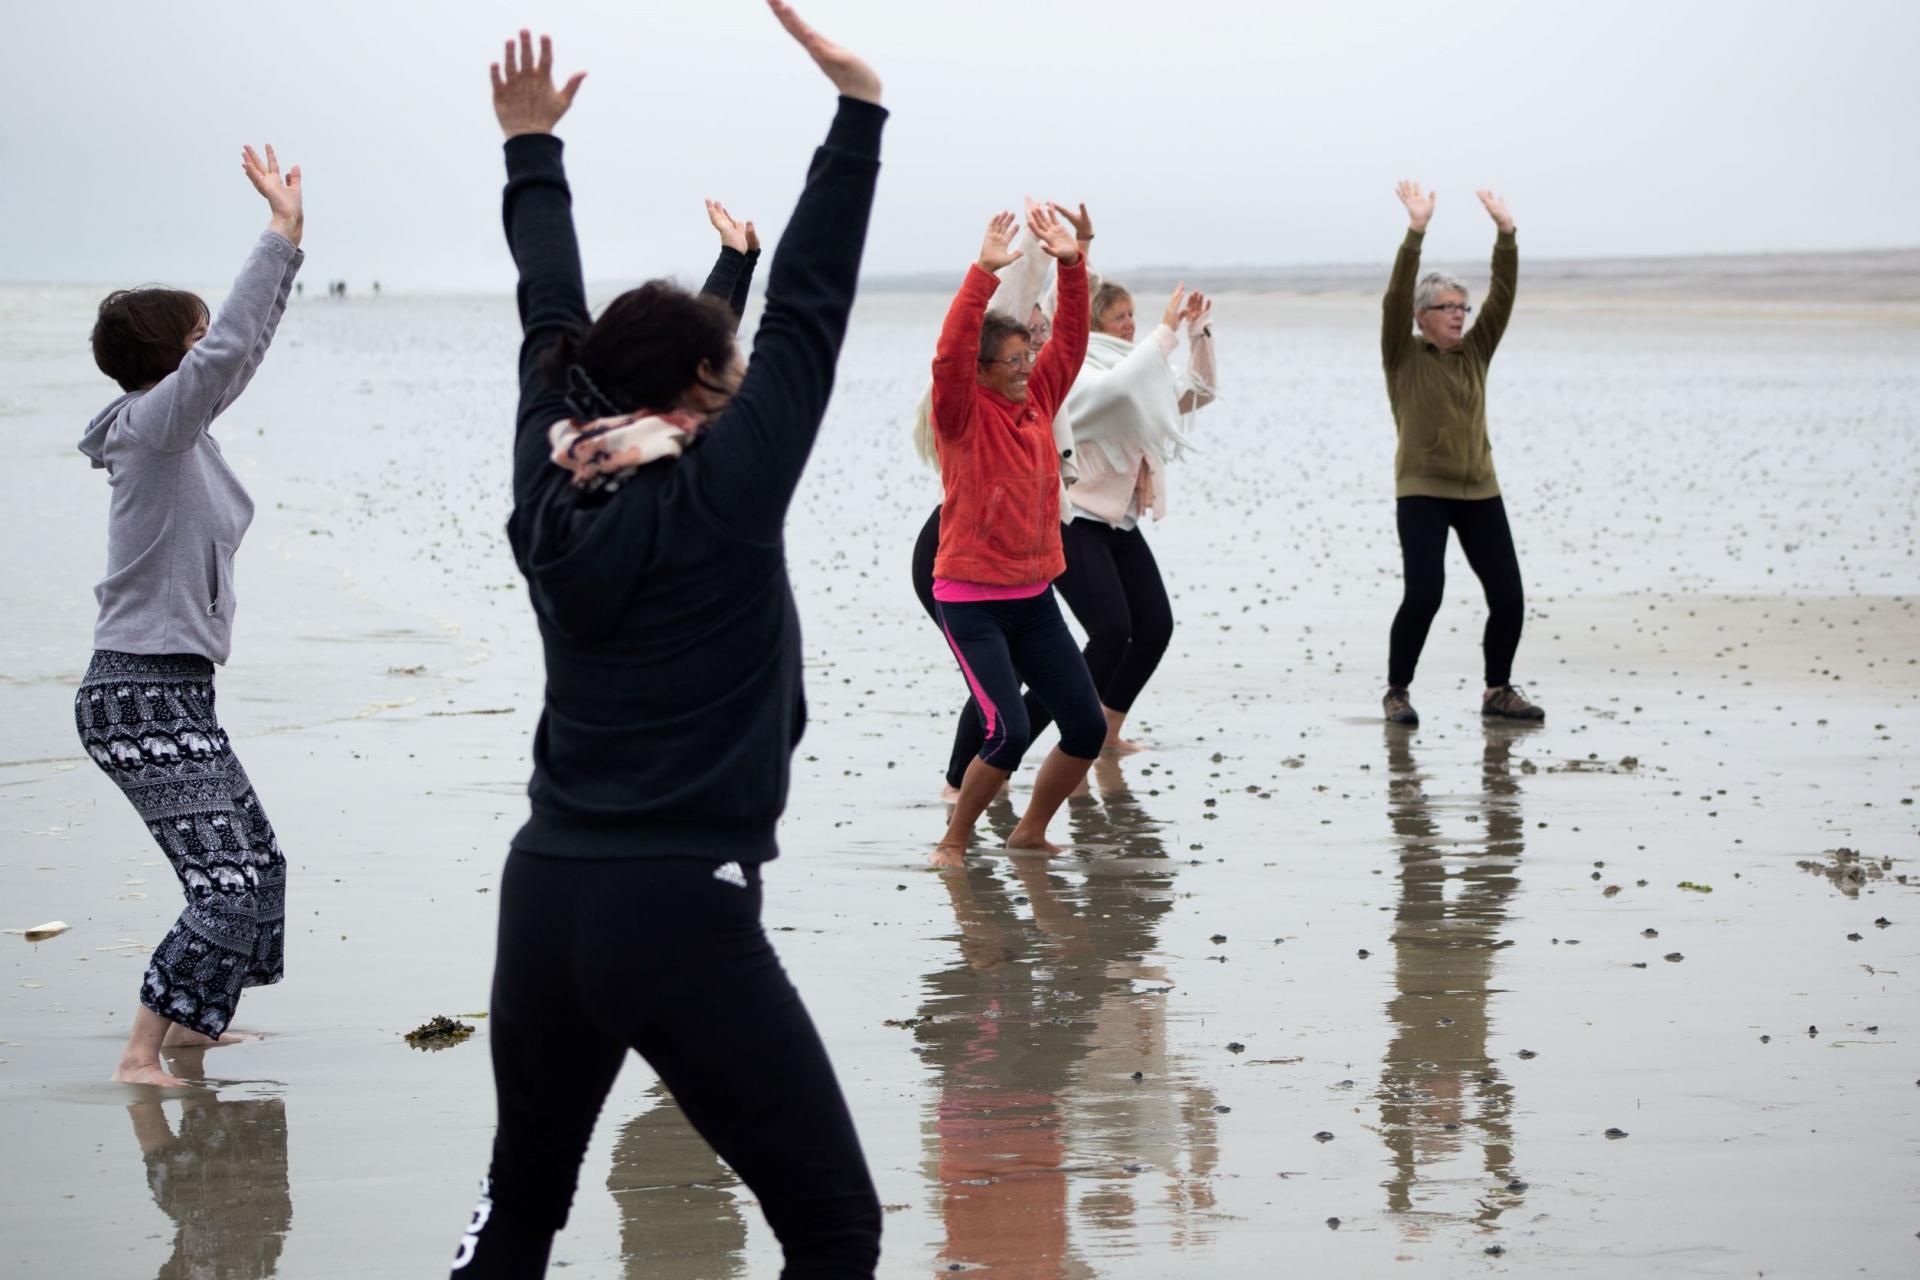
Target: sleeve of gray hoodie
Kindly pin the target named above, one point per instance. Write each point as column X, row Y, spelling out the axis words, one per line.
column 181, row 406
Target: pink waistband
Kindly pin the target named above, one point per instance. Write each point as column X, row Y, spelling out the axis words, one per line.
column 948, row 591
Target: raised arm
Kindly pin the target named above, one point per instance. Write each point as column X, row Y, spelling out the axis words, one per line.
column 178, row 409
column 1484, row 337
column 1060, row 361
column 749, row 461
column 732, row 273
column 1396, row 314
column 957, row 353
column 1201, row 383
column 537, row 206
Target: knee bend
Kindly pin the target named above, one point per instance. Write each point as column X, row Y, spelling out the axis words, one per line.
column 1423, row 600
column 1506, row 600
column 1012, row 734
column 1083, row 732
column 1110, row 635
column 1153, row 635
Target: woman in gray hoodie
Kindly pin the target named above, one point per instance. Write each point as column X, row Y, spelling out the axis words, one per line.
column 145, row 707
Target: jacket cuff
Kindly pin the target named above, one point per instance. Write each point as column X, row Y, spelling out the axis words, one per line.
column 1413, row 240
column 527, row 152
column 856, row 127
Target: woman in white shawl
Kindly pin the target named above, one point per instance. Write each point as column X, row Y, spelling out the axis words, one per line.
column 1129, row 409
column 1022, row 285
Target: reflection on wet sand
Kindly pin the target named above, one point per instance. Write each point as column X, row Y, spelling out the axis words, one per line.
column 222, row 1178
column 1441, row 1095
column 679, row 1219
column 1036, row 1030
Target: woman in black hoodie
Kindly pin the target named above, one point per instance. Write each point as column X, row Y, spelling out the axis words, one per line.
column 652, row 473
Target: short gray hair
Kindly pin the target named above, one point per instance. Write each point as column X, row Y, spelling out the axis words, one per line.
column 1435, row 283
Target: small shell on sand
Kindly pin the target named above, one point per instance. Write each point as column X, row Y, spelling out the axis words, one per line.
column 41, row 932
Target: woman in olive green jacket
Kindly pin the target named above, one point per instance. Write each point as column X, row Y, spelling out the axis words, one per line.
column 1443, row 468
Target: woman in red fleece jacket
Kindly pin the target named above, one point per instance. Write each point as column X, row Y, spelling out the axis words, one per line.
column 993, row 407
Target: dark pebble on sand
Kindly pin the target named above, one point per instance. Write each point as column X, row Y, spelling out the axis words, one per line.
column 1527, row 1053
column 1364, row 953
column 1649, row 933
column 1234, row 1046
column 1333, row 1223
column 1323, row 1136
column 1495, row 1250
column 1674, row 957
column 1766, row 1039
column 1217, row 939
column 1223, row 1110
column 1516, row 1186
column 1616, row 1133
column 1139, row 1075
column 1639, row 964
column 1882, row 922
column 1853, row 937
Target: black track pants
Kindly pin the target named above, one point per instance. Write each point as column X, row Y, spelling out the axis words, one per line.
column 666, row 957
column 1488, row 544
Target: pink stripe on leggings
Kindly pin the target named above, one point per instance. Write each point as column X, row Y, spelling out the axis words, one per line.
column 986, row 703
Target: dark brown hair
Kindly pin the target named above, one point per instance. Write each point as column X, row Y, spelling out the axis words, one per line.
column 141, row 334
column 995, row 329
column 643, row 351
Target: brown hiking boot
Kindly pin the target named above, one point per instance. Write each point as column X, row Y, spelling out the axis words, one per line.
column 1398, row 709
column 1508, row 703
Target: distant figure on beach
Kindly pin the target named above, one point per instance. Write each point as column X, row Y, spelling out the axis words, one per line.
column 376, row 288
column 994, row 401
column 299, row 288
column 1443, row 468
column 145, row 712
column 652, row 472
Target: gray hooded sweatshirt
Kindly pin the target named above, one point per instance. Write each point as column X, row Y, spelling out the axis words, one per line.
column 178, row 511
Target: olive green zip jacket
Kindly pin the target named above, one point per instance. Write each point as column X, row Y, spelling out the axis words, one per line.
column 1439, row 398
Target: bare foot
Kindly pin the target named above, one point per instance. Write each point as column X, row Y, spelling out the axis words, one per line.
column 948, row 854
column 179, row 1037
column 949, row 794
column 1032, row 844
column 148, row 1073
column 1121, row 747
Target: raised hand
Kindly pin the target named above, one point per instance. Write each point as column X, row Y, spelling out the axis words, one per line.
column 1198, row 313
column 1054, row 235
column 1497, row 210
column 1419, row 206
column 753, row 237
column 996, row 249
column 524, row 99
column 286, row 209
column 1082, row 224
column 732, row 234
column 849, row 74
column 1176, row 307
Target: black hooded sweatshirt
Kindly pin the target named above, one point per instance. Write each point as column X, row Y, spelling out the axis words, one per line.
column 673, row 691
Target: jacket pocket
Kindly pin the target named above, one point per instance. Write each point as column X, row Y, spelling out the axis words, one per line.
column 1012, row 526
column 220, row 579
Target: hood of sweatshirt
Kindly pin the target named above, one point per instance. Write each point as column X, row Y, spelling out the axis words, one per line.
column 93, row 441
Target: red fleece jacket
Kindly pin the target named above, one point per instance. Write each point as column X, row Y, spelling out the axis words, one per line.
column 1000, row 522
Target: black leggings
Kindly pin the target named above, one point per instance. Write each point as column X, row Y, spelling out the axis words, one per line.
column 1113, row 586
column 666, row 957
column 1488, row 544
column 998, row 644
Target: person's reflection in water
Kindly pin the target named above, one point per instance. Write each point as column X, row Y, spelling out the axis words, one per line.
column 222, row 1178
column 1035, row 1031
column 1440, row 1092
column 678, row 1216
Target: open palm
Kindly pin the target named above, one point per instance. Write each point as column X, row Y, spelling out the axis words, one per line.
column 1419, row 204
column 524, row 99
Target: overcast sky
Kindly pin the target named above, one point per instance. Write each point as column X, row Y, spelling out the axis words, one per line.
column 1211, row 132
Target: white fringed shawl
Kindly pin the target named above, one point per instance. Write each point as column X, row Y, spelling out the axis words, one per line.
column 1129, row 407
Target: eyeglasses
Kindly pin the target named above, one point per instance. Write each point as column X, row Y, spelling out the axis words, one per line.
column 1457, row 308
column 1028, row 357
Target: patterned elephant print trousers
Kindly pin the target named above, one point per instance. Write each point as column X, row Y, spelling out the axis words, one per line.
column 147, row 720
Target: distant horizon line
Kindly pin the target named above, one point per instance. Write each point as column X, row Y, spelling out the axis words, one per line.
column 902, row 281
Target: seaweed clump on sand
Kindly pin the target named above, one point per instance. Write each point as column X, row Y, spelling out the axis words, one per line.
column 437, row 1033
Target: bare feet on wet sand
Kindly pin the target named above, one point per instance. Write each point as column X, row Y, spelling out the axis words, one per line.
column 948, row 854
column 1017, row 843
column 178, row 1037
column 148, row 1073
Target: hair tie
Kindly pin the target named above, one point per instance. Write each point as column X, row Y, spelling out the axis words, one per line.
column 585, row 398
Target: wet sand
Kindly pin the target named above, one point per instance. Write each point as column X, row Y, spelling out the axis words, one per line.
column 1282, row 921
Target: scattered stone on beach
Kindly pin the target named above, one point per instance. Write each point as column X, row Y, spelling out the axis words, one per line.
column 1610, row 890
column 1766, row 1039
column 437, row 1033
column 1616, row 1133
column 1516, row 1186
column 907, row 1022
column 1526, row 1053
column 1853, row 937
column 1333, row 1223
column 1882, row 922
column 1649, row 933
column 1323, row 1136
column 1495, row 1250
column 1847, row 870
column 1217, row 939
column 1364, row 953
column 1673, row 957
column 1234, row 1046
